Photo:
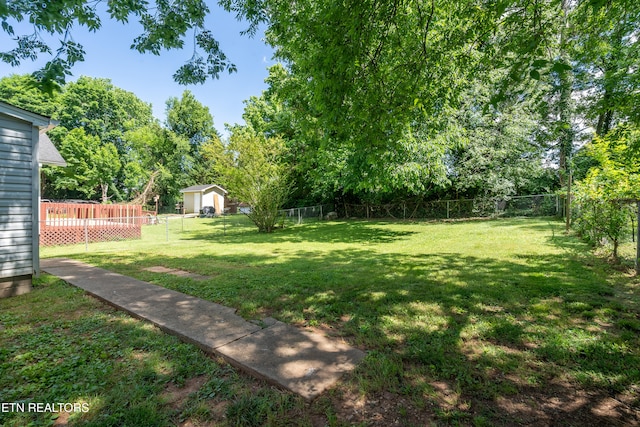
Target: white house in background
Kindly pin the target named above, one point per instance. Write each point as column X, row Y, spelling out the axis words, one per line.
column 23, row 147
column 198, row 196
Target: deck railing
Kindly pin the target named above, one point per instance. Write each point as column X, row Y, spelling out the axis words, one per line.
column 71, row 223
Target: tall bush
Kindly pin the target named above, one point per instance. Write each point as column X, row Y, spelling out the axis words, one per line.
column 603, row 196
column 253, row 171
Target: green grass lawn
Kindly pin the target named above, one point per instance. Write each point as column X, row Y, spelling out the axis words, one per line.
column 497, row 322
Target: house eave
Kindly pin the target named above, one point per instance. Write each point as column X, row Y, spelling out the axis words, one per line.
column 43, row 123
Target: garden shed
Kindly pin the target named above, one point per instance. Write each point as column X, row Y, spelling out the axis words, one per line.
column 198, row 196
column 23, row 147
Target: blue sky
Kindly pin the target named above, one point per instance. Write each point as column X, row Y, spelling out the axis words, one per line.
column 149, row 76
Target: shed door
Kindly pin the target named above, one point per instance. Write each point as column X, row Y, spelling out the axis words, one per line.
column 216, row 204
column 197, row 202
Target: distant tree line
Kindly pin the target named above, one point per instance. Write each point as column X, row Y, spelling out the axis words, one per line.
column 113, row 145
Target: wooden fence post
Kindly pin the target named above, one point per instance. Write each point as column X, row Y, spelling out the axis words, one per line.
column 638, row 240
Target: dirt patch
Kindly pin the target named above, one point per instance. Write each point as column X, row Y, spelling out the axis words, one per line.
column 380, row 409
column 62, row 420
column 558, row 404
column 566, row 405
column 176, row 396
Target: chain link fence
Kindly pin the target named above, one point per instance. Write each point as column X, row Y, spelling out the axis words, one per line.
column 169, row 228
column 305, row 214
column 161, row 228
column 537, row 205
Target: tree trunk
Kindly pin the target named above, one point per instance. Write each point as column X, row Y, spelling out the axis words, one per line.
column 105, row 190
column 605, row 120
column 565, row 115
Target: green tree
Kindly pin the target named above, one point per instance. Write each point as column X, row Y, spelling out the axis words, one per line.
column 381, row 80
column 252, row 170
column 92, row 166
column 497, row 154
column 365, row 73
column 108, row 113
column 323, row 166
column 102, row 110
column 606, row 52
column 370, row 66
column 23, row 92
column 188, row 118
column 598, row 40
column 157, row 156
column 164, row 26
column 280, row 111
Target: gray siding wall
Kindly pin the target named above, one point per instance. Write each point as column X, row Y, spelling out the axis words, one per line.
column 17, row 197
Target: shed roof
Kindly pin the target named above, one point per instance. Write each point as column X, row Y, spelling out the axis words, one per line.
column 203, row 188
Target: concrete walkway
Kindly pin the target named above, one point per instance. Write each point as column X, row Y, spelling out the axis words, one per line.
column 304, row 362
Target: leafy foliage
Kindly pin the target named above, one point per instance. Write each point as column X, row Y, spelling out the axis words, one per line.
column 105, row 113
column 91, row 165
column 23, row 92
column 148, row 157
column 159, row 153
column 251, row 168
column 165, row 24
column 102, row 109
column 191, row 120
column 606, row 52
column 603, row 196
column 197, row 70
column 187, row 117
column 497, row 154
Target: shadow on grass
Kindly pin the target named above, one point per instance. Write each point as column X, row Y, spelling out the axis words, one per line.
column 238, row 230
column 61, row 346
column 531, row 340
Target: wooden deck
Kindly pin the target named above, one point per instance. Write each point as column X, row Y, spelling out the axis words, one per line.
column 73, row 223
